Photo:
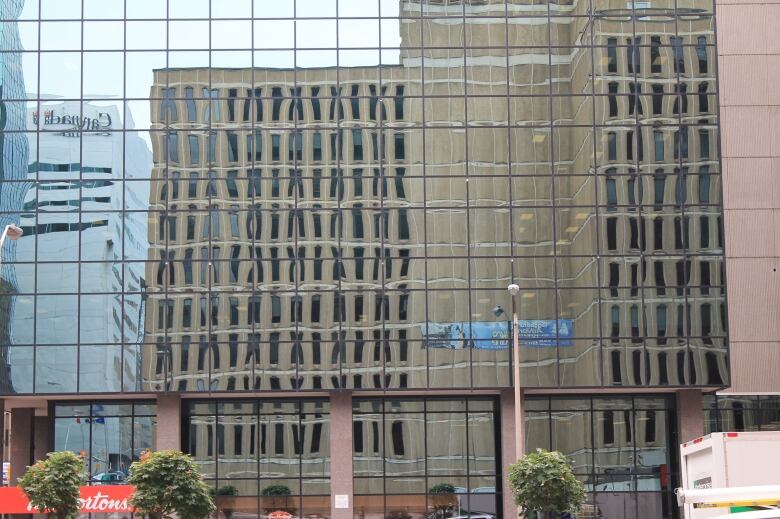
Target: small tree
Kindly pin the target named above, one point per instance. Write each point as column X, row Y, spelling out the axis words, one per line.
column 52, row 485
column 166, row 483
column 544, row 482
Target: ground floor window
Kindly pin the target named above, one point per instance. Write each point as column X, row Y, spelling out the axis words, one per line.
column 740, row 413
column 621, row 447
column 263, row 456
column 425, row 457
column 109, row 435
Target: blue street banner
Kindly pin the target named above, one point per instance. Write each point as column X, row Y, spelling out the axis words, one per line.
column 497, row 335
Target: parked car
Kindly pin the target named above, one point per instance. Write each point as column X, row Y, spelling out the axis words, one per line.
column 108, row 477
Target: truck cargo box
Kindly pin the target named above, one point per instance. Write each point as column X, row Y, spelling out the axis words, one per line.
column 726, row 460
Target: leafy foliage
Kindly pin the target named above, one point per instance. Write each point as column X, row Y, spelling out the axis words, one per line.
column 442, row 488
column 276, row 490
column 543, row 481
column 52, row 485
column 227, row 490
column 167, row 482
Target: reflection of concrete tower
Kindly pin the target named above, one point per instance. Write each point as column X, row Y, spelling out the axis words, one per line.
column 79, row 163
column 13, row 164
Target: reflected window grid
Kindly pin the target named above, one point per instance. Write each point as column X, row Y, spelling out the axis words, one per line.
column 265, row 221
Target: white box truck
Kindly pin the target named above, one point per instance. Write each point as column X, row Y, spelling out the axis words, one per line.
column 729, row 471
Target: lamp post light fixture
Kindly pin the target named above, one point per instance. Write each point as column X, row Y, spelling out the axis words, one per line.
column 12, row 232
column 519, row 447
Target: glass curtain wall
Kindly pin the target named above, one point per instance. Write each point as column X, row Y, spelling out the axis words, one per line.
column 433, row 457
column 309, row 195
column 623, row 450
column 263, row 456
column 109, row 435
column 737, row 413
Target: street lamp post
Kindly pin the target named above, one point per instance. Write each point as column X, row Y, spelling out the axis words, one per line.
column 513, row 291
column 12, row 232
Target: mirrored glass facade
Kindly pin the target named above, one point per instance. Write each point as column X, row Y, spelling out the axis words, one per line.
column 109, row 436
column 305, row 196
column 728, row 413
column 621, row 449
column 406, row 450
column 262, row 206
column 255, row 447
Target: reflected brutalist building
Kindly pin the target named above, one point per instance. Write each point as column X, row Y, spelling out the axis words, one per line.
column 328, row 228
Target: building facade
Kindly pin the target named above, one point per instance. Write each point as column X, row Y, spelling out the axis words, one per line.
column 309, row 216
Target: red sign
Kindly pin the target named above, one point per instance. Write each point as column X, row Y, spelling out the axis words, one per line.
column 100, row 498
column 280, row 514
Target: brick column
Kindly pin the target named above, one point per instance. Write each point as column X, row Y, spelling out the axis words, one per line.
column 42, row 437
column 690, row 414
column 508, row 442
column 168, row 423
column 21, row 442
column 341, row 452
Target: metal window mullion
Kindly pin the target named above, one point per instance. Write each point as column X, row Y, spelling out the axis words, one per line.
column 341, row 302
column 294, row 178
column 553, row 178
column 470, row 335
column 122, row 216
column 426, row 290
column 251, row 214
column 682, row 180
column 210, row 272
column 644, row 361
column 510, row 177
column 383, row 216
column 37, row 212
column 599, row 277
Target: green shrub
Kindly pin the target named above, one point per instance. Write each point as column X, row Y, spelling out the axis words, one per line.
column 52, row 485
column 543, row 481
column 167, row 483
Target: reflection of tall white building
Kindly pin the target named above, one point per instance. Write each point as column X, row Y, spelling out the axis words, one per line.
column 13, row 157
column 73, row 211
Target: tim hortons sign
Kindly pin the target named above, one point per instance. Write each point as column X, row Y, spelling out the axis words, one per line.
column 97, row 499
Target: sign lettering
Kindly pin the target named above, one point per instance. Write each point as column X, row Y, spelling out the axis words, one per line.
column 99, row 498
column 78, row 123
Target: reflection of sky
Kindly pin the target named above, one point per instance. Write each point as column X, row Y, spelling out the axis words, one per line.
column 268, row 42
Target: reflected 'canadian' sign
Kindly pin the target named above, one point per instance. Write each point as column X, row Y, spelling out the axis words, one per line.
column 99, row 122
column 97, row 499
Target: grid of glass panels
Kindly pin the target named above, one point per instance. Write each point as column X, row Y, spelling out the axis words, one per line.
column 432, row 457
column 109, row 435
column 311, row 195
column 737, row 413
column 622, row 450
column 247, row 448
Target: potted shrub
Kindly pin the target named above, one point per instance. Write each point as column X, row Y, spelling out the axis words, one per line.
column 442, row 497
column 543, row 482
column 276, row 497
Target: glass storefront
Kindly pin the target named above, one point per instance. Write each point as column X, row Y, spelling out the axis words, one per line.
column 426, row 457
column 623, row 450
column 262, row 456
column 110, row 435
column 305, row 195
